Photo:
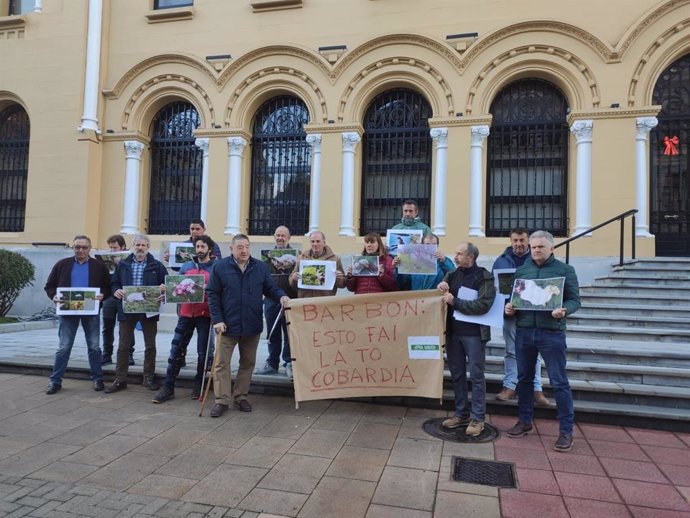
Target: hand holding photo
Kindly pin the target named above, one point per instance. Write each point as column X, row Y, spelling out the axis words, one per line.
column 417, row 259
column 141, row 299
column 365, row 265
column 538, row 294
column 184, row 289
column 77, row 301
column 181, row 253
column 398, row 237
column 316, row 275
column 280, row 261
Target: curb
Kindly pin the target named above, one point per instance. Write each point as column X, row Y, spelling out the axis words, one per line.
column 27, row 326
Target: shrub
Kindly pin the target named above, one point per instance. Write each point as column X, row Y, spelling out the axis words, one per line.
column 16, row 273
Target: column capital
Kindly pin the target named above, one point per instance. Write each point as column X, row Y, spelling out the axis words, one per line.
column 582, row 129
column 314, row 140
column 479, row 134
column 644, row 125
column 236, row 146
column 350, row 140
column 439, row 136
column 133, row 149
column 202, row 143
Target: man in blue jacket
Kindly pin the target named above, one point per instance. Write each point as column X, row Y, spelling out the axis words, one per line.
column 543, row 332
column 235, row 298
column 139, row 269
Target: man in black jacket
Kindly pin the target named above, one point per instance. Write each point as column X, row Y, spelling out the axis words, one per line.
column 139, row 269
column 80, row 271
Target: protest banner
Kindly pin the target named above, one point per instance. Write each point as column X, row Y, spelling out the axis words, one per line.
column 379, row 344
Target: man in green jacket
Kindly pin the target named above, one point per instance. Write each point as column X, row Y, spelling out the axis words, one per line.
column 544, row 332
column 410, row 218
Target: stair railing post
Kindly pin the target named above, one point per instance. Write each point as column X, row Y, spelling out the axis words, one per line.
column 622, row 242
column 633, row 236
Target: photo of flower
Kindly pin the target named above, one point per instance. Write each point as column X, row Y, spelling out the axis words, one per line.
column 314, row 275
column 184, row 289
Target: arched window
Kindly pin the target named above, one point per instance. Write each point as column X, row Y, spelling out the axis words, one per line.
column 14, row 167
column 670, row 161
column 176, row 165
column 527, row 160
column 396, row 159
column 280, row 167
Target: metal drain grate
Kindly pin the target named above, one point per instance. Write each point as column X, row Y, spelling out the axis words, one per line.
column 484, row 472
column 435, row 427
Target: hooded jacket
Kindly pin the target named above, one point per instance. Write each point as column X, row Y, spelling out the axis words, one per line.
column 327, row 255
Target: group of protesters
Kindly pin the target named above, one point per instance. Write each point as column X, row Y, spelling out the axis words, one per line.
column 241, row 292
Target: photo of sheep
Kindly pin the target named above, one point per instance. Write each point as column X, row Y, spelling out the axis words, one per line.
column 184, row 289
column 77, row 301
column 181, row 253
column 110, row 259
column 503, row 279
column 141, row 299
column 398, row 237
column 280, row 261
column 538, row 294
column 316, row 275
column 417, row 259
column 365, row 265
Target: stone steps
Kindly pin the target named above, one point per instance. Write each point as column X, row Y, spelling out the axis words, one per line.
column 631, row 309
column 658, row 323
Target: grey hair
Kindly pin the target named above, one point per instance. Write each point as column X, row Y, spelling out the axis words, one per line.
column 323, row 236
column 239, row 237
column 141, row 237
column 473, row 250
column 542, row 234
column 85, row 238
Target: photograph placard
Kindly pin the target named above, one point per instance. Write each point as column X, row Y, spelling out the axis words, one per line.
column 280, row 261
column 538, row 294
column 503, row 280
column 417, row 259
column 181, row 289
column 181, row 253
column 77, row 301
column 141, row 299
column 316, row 275
column 397, row 237
column 365, row 265
column 110, row 259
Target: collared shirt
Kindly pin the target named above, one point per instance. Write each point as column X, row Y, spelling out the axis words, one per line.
column 80, row 274
column 138, row 272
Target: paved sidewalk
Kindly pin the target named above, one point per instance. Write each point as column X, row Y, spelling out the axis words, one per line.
column 82, row 453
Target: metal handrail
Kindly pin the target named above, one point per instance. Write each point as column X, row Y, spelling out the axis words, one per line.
column 620, row 217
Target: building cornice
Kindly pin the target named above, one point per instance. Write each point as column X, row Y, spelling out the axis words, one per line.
column 613, row 113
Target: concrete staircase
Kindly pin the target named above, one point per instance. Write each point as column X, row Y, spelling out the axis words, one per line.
column 628, row 346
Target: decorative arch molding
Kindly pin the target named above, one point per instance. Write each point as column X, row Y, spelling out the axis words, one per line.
column 645, row 21
column 7, row 98
column 287, row 78
column 574, row 88
column 419, row 74
column 656, row 60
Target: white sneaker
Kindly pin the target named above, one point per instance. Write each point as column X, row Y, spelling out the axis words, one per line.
column 288, row 370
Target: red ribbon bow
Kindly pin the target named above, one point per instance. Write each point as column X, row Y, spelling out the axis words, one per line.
column 671, row 145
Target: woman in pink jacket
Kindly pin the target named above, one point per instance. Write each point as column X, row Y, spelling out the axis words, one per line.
column 385, row 281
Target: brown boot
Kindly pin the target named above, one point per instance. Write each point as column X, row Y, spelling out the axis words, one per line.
column 540, row 399
column 505, row 394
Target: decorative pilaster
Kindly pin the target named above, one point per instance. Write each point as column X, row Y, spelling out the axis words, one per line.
column 478, row 136
column 583, row 182
column 236, row 147
column 440, row 138
column 130, row 212
column 38, row 6
column 202, row 143
column 643, row 126
column 314, row 140
column 347, row 215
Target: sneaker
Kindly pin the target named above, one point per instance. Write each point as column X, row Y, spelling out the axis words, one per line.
column 288, row 370
column 520, row 429
column 540, row 399
column 164, row 395
column 455, row 422
column 505, row 394
column 474, row 428
column 107, row 359
column 151, row 383
column 267, row 370
column 564, row 442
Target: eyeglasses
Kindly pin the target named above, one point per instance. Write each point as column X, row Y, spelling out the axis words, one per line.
column 81, row 247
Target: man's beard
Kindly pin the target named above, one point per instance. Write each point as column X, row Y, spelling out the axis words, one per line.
column 201, row 255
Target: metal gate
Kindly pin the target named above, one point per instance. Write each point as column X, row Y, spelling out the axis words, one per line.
column 396, row 159
column 176, row 167
column 527, row 160
column 280, row 167
column 670, row 162
column 14, row 166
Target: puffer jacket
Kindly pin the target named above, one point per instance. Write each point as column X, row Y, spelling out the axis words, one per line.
column 190, row 310
column 375, row 284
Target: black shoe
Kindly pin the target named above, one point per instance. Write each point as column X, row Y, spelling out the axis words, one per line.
column 243, row 405
column 107, row 359
column 151, row 383
column 164, row 395
column 218, row 410
column 52, row 388
column 131, row 359
column 98, row 385
column 196, row 391
column 117, row 386
column 520, row 429
column 564, row 442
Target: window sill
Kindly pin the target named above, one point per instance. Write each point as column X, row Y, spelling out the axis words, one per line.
column 170, row 15
column 12, row 22
column 274, row 5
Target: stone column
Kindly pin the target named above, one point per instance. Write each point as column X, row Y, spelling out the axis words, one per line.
column 347, row 195
column 38, row 6
column 236, row 147
column 440, row 137
column 643, row 126
column 130, row 213
column 202, row 143
column 89, row 118
column 314, row 140
column 478, row 134
column 583, row 180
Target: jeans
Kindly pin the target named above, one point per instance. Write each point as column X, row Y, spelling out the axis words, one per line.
column 109, row 320
column 510, row 362
column 529, row 342
column 183, row 335
column 279, row 339
column 67, row 331
column 222, row 379
column 150, row 328
column 460, row 351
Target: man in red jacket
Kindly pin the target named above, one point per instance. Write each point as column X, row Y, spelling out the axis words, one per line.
column 192, row 316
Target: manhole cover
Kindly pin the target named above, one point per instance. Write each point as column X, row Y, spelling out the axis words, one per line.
column 435, row 428
column 484, row 472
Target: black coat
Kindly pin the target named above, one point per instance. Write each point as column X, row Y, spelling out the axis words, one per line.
column 61, row 277
column 154, row 275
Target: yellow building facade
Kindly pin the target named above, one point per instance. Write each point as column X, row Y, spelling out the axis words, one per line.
column 136, row 115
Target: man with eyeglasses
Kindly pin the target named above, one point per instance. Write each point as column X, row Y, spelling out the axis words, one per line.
column 79, row 271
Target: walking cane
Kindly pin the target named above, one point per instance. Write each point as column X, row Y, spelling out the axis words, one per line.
column 210, row 376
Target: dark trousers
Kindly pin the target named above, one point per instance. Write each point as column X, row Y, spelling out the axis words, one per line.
column 109, row 320
column 462, row 351
column 278, row 341
column 150, row 328
column 178, row 350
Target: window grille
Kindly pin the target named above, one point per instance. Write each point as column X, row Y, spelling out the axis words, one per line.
column 14, row 167
column 176, row 166
column 280, row 167
column 21, row 6
column 527, row 160
column 396, row 159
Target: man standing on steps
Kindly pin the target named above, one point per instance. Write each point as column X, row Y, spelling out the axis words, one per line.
column 513, row 257
column 541, row 332
column 410, row 218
